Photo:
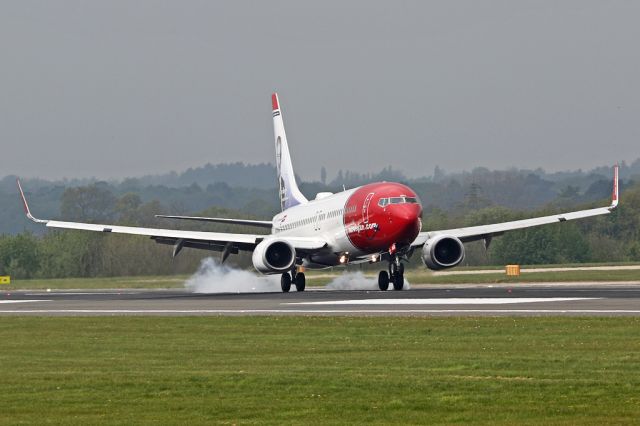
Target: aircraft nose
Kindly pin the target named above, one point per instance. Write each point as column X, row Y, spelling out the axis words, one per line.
column 406, row 223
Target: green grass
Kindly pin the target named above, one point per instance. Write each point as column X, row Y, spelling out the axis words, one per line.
column 332, row 370
column 98, row 283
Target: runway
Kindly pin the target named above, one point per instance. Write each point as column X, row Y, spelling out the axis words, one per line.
column 605, row 299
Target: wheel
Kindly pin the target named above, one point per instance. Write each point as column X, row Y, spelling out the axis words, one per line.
column 398, row 280
column 300, row 281
column 285, row 282
column 383, row 280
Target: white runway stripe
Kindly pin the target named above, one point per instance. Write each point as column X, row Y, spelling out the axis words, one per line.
column 24, row 301
column 449, row 301
column 88, row 293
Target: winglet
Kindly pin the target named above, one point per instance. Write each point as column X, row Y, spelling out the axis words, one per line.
column 615, row 196
column 274, row 102
column 26, row 206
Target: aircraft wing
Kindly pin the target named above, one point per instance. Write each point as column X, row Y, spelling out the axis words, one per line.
column 246, row 222
column 216, row 241
column 486, row 232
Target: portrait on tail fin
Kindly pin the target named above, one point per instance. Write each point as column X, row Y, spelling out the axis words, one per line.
column 289, row 193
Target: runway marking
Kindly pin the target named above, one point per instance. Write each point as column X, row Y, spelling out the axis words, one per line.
column 24, row 301
column 449, row 301
column 319, row 311
column 67, row 293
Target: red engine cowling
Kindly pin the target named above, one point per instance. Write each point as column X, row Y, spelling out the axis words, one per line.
column 442, row 252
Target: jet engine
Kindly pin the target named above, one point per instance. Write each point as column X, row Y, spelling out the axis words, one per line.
column 443, row 251
column 273, row 256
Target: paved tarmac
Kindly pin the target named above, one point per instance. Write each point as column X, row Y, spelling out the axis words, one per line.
column 605, row 299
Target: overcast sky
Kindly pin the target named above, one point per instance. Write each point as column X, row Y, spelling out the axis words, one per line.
column 125, row 88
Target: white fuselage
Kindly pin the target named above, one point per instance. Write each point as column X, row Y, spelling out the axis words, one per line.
column 320, row 218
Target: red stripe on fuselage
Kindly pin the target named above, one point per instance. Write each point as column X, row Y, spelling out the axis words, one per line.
column 373, row 228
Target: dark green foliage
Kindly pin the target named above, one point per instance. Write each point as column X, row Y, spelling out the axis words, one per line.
column 559, row 243
column 94, row 203
column 18, row 255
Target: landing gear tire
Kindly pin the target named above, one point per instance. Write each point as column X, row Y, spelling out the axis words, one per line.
column 398, row 281
column 397, row 276
column 285, row 282
column 300, row 281
column 383, row 280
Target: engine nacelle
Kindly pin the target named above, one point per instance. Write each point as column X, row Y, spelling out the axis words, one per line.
column 442, row 252
column 273, row 256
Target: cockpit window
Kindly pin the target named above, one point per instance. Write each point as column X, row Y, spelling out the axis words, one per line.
column 397, row 200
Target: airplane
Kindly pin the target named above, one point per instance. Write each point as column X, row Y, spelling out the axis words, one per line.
column 377, row 222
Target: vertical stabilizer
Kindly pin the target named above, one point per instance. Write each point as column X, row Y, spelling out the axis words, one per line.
column 290, row 195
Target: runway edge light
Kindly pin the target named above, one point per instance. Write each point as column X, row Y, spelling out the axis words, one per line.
column 5, row 279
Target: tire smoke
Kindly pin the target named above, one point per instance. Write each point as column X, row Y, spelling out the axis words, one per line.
column 212, row 277
column 358, row 281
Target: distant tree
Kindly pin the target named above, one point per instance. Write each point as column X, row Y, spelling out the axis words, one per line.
column 88, row 203
column 438, row 174
column 569, row 192
column 474, row 199
column 127, row 209
column 559, row 243
column 18, row 255
column 323, row 175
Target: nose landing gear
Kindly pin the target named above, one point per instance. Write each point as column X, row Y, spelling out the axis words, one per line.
column 395, row 275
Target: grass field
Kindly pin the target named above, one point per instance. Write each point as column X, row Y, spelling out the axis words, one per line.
column 294, row 370
column 97, row 283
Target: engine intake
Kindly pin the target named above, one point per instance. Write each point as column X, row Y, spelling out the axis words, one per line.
column 273, row 256
column 442, row 252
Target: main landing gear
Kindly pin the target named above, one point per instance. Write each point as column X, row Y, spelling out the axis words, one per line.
column 296, row 278
column 394, row 276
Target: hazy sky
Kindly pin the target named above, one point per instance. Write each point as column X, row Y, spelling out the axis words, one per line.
column 124, row 88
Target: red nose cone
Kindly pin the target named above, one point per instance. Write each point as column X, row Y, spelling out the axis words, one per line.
column 404, row 222
column 382, row 214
